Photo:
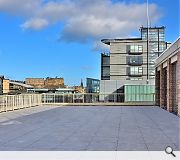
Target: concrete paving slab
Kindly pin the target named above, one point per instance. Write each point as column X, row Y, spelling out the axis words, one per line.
column 94, row 128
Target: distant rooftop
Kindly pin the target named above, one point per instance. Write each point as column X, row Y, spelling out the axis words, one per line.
column 108, row 41
column 162, row 27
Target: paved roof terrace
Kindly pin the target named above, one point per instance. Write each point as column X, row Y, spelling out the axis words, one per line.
column 92, row 128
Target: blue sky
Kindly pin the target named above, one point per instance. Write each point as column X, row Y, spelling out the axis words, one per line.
column 62, row 38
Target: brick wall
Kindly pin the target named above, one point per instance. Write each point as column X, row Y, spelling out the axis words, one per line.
column 157, row 87
column 169, row 85
column 162, row 87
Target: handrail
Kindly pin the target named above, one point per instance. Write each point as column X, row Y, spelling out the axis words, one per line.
column 14, row 102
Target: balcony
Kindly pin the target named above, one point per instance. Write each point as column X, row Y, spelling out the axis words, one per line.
column 134, row 60
column 134, row 53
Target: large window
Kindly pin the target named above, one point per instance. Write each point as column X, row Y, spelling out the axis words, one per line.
column 135, row 71
column 134, row 48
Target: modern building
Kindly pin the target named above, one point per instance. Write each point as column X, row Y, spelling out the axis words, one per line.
column 65, row 90
column 168, row 79
column 92, row 85
column 131, row 60
column 105, row 66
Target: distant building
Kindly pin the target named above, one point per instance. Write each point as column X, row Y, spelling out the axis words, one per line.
column 53, row 83
column 48, row 83
column 105, row 66
column 92, row 85
column 131, row 60
column 35, row 82
column 78, row 89
column 18, row 87
column 168, row 79
column 82, row 86
column 4, row 85
column 65, row 90
column 6, row 88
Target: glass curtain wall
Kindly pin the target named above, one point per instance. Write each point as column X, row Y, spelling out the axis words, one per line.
column 156, row 45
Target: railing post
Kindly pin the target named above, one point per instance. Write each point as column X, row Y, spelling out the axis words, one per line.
column 6, row 103
column 83, row 97
column 54, row 98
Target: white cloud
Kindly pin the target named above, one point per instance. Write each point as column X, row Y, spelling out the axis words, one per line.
column 83, row 19
column 35, row 23
column 20, row 7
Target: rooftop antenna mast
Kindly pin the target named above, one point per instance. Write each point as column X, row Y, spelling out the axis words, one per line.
column 147, row 14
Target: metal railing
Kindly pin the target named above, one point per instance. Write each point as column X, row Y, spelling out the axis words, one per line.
column 14, row 102
column 97, row 98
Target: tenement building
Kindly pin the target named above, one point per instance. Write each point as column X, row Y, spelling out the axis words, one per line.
column 48, row 83
column 168, row 79
column 131, row 60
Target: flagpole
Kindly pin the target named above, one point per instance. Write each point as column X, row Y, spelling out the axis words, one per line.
column 147, row 14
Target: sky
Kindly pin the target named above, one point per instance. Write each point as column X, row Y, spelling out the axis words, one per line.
column 49, row 38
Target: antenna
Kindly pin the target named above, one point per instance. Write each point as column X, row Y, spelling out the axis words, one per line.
column 147, row 13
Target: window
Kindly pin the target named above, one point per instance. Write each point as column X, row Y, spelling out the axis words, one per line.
column 135, row 71
column 134, row 49
column 134, row 60
column 106, row 71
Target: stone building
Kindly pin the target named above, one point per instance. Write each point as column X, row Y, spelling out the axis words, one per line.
column 54, row 83
column 48, row 83
column 168, row 79
column 35, row 82
column 6, row 88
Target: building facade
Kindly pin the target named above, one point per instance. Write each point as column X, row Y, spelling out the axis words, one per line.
column 35, row 82
column 92, row 85
column 49, row 83
column 105, row 66
column 132, row 60
column 53, row 83
column 6, row 87
column 168, row 79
